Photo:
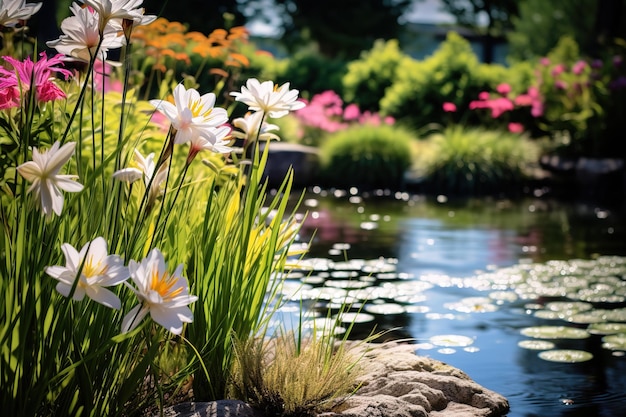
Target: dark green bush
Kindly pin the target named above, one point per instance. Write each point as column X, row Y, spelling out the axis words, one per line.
column 466, row 161
column 312, row 73
column 366, row 156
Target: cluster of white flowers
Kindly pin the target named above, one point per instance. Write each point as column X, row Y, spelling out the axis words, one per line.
column 89, row 271
column 94, row 30
column 88, row 35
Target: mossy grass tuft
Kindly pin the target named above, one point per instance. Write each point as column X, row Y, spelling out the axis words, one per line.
column 367, row 156
column 470, row 160
column 293, row 375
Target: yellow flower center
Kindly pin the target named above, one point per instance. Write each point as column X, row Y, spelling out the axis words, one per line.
column 198, row 110
column 91, row 268
column 163, row 284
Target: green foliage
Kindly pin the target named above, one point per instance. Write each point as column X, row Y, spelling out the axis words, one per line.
column 312, row 72
column 366, row 156
column 341, row 29
column 468, row 161
column 368, row 77
column 541, row 24
column 451, row 74
column 66, row 355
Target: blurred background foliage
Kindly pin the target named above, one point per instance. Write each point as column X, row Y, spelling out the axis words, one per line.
column 560, row 82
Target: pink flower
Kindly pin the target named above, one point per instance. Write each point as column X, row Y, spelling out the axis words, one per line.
column 516, row 127
column 523, row 100
column 579, row 67
column 389, row 120
column 102, row 77
column 558, row 69
column 503, row 89
column 478, row 104
column 449, row 107
column 544, row 61
column 499, row 106
column 351, row 112
column 25, row 74
column 560, row 85
column 483, row 95
column 536, row 102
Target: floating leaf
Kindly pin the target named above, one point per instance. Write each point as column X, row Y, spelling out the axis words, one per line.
column 535, row 344
column 384, row 308
column 451, row 340
column 606, row 328
column 356, row 317
column 614, row 341
column 554, row 332
column 565, row 355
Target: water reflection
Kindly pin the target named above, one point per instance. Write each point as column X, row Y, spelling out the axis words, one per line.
column 433, row 267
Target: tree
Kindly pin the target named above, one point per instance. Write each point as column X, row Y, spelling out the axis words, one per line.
column 342, row 29
column 200, row 15
column 497, row 13
column 541, row 24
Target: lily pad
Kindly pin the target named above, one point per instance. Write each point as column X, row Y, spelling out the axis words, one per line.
column 356, row 317
column 614, row 341
column 451, row 340
column 385, row 308
column 606, row 328
column 565, row 355
column 532, row 344
column 555, row 332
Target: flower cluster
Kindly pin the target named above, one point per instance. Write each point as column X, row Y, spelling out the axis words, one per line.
column 21, row 76
column 503, row 101
column 168, row 44
column 194, row 119
column 326, row 113
column 89, row 271
column 14, row 12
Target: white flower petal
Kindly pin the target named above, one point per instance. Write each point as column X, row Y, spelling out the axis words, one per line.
column 133, row 318
column 103, row 296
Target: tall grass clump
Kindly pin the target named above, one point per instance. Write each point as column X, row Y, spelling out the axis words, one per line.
column 366, row 156
column 295, row 375
column 136, row 241
column 471, row 160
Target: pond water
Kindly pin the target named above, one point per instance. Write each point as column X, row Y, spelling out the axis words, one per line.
column 470, row 282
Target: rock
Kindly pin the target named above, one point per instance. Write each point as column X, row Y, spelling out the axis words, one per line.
column 399, row 383
column 303, row 159
column 396, row 383
column 221, row 408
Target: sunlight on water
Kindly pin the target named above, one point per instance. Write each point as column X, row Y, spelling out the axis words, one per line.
column 510, row 277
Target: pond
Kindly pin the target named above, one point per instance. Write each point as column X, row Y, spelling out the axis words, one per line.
column 528, row 297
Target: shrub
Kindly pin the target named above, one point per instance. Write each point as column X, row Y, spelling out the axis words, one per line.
column 326, row 113
column 462, row 160
column 367, row 78
column 313, row 73
column 366, row 156
column 452, row 74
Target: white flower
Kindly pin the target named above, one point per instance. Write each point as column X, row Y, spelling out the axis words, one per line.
column 249, row 126
column 94, row 268
column 115, row 11
column 165, row 296
column 43, row 172
column 12, row 11
column 145, row 170
column 81, row 36
column 217, row 141
column 191, row 115
column 272, row 100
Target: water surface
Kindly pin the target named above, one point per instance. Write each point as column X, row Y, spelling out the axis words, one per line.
column 423, row 253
